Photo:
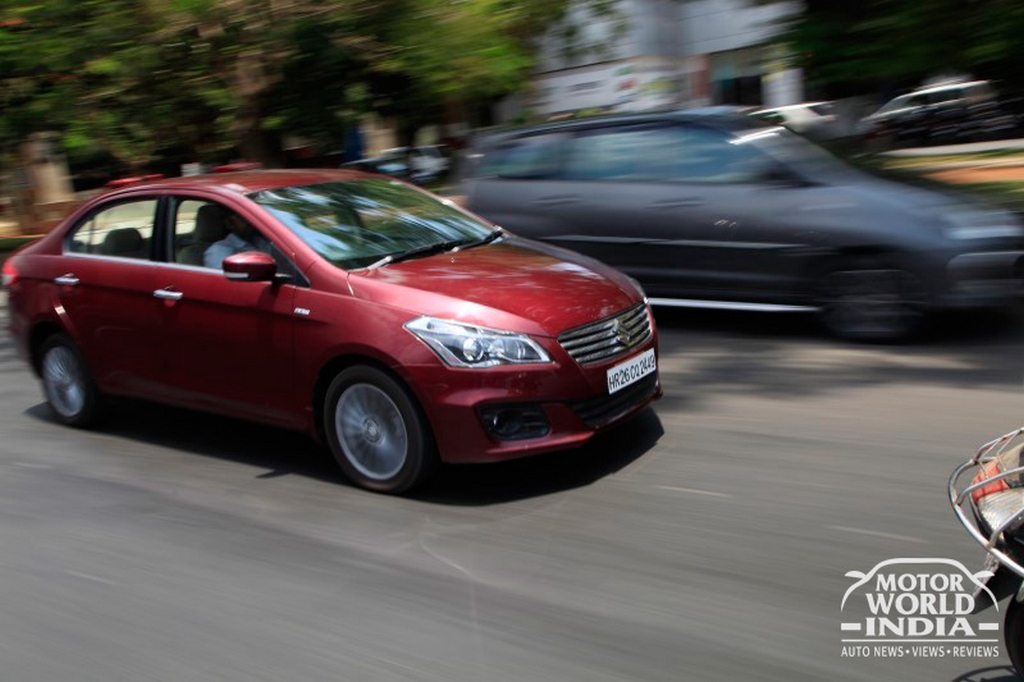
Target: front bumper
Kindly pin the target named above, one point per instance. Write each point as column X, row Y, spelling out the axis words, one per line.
column 574, row 400
column 984, row 278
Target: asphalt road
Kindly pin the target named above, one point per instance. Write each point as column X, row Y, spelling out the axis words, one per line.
column 707, row 540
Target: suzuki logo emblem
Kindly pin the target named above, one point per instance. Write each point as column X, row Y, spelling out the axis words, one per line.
column 622, row 335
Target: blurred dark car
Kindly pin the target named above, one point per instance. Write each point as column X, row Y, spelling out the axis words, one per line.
column 396, row 327
column 946, row 113
column 714, row 210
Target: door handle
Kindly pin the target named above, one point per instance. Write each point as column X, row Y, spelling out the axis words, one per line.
column 678, row 203
column 558, row 200
column 167, row 295
column 68, row 280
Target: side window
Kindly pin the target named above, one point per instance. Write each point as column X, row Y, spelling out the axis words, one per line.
column 940, row 96
column 124, row 230
column 640, row 153
column 667, row 153
column 709, row 156
column 205, row 233
column 197, row 226
column 536, row 156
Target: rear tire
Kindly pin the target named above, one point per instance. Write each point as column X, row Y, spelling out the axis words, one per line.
column 1013, row 633
column 67, row 384
column 377, row 432
column 870, row 301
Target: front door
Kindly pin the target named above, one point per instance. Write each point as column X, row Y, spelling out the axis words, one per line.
column 230, row 343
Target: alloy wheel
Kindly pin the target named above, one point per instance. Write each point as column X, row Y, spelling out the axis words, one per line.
column 871, row 304
column 64, row 381
column 371, row 431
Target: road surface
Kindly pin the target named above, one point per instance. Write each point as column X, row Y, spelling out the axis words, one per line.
column 707, row 540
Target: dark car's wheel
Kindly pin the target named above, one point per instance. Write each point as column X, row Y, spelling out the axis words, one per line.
column 870, row 302
column 376, row 431
column 69, row 389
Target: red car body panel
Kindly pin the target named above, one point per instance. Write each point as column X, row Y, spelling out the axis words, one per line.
column 262, row 350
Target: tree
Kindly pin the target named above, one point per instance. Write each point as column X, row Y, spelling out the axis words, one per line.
column 855, row 46
column 140, row 80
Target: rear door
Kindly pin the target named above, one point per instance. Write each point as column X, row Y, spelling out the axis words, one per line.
column 105, row 293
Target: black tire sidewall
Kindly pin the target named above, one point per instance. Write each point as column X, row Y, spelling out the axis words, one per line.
column 903, row 333
column 421, row 454
column 91, row 405
column 1013, row 633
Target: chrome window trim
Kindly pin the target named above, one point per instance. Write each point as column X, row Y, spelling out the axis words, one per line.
column 302, row 282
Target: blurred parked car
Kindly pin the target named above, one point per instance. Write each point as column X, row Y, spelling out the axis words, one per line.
column 948, row 112
column 426, row 162
column 394, row 165
column 398, row 328
column 715, row 210
column 816, row 120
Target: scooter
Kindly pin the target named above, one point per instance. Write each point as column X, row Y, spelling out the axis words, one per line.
column 991, row 508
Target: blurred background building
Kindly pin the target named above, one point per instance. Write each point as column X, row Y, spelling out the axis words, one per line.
column 650, row 54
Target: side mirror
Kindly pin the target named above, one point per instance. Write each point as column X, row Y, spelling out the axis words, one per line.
column 250, row 266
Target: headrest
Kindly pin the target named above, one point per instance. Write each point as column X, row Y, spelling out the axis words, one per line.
column 124, row 241
column 210, row 224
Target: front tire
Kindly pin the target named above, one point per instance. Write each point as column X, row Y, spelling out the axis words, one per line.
column 67, row 385
column 376, row 431
column 870, row 302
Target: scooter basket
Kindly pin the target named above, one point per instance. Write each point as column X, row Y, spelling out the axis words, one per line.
column 995, row 497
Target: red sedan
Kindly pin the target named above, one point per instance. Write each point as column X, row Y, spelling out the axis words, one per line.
column 395, row 326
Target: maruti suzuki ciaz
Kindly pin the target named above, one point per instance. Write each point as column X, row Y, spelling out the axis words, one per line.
column 394, row 326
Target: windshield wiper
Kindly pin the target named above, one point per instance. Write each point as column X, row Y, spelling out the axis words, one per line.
column 437, row 247
column 486, row 239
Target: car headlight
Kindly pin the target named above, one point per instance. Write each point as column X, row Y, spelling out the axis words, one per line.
column 466, row 345
column 982, row 225
column 984, row 232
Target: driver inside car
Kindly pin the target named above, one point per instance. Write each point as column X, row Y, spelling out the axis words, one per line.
column 241, row 236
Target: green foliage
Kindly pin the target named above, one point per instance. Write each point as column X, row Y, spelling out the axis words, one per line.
column 856, row 45
column 209, row 79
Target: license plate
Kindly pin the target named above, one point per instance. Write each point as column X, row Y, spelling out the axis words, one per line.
column 631, row 371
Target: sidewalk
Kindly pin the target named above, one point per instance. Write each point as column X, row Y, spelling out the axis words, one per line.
column 9, row 228
column 954, row 149
column 1008, row 168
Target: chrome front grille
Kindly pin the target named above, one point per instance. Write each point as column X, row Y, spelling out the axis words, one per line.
column 609, row 337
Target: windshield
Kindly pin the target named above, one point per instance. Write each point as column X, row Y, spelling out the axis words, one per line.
column 893, row 105
column 357, row 223
column 797, row 153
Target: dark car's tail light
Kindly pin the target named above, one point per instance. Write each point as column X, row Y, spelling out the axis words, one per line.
column 9, row 276
column 515, row 422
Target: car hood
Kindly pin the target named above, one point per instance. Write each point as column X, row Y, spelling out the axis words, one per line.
column 937, row 206
column 515, row 284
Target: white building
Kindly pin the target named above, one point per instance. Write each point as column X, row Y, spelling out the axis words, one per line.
column 658, row 53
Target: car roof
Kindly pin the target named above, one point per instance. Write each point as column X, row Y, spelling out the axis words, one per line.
column 791, row 107
column 247, row 182
column 725, row 117
column 947, row 86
